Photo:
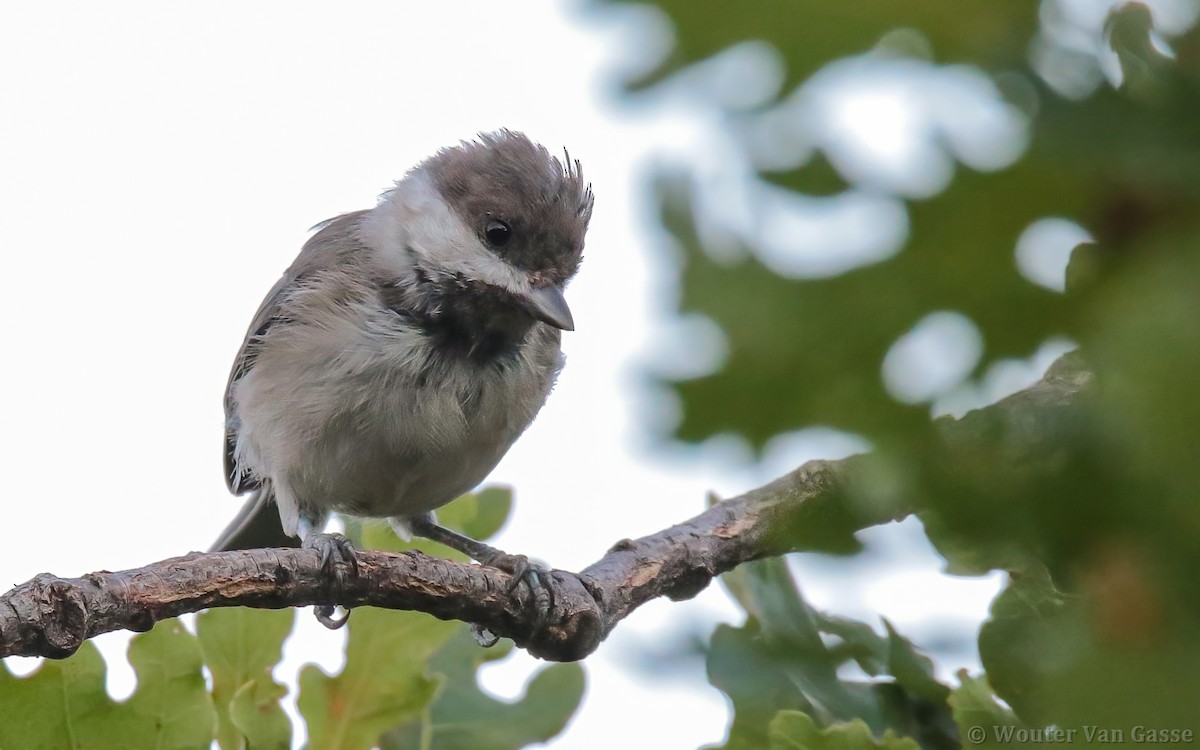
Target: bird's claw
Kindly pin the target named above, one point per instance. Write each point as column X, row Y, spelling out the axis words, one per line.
column 483, row 636
column 521, row 569
column 538, row 577
column 324, row 614
column 337, row 556
column 334, row 549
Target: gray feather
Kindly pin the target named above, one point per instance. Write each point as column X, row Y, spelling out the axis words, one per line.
column 399, row 357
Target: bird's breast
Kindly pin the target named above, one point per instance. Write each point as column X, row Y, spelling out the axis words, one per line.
column 378, row 419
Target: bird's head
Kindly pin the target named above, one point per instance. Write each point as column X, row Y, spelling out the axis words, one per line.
column 498, row 218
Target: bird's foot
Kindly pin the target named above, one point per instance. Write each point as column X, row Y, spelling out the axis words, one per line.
column 337, row 558
column 534, row 574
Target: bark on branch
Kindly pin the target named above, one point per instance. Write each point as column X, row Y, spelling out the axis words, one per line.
column 810, row 508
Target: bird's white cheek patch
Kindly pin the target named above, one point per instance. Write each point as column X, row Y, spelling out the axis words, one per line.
column 415, row 221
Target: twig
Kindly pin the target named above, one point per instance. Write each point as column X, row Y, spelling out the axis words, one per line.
column 51, row 616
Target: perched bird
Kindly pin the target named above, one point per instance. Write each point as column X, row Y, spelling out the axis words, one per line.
column 406, row 349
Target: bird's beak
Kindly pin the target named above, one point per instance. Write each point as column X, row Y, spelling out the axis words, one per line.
column 549, row 306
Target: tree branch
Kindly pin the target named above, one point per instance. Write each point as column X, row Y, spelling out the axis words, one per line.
column 809, row 508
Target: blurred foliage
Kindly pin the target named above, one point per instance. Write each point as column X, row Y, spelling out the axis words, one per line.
column 240, row 647
column 466, row 718
column 788, row 657
column 1093, row 506
column 409, row 680
column 64, row 703
column 462, row 715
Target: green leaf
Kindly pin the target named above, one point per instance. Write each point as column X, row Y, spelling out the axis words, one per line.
column 384, row 683
column 857, row 641
column 1107, row 654
column 1144, row 69
column 784, row 658
column 64, row 703
column 978, row 714
column 1022, row 616
column 791, row 639
column 463, row 717
column 256, row 714
column 241, row 646
column 912, row 670
column 793, row 730
column 479, row 515
column 55, row 704
column 741, row 666
column 1144, row 344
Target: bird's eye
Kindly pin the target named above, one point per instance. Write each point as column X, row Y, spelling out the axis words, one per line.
column 497, row 232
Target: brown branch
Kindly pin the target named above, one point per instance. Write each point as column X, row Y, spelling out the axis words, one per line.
column 810, row 508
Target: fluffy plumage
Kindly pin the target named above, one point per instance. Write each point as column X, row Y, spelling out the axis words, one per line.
column 401, row 355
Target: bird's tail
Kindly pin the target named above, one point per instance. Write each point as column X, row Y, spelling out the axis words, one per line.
column 256, row 525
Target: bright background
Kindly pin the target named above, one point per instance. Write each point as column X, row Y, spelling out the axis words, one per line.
column 159, row 166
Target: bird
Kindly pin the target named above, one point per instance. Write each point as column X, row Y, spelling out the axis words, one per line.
column 404, row 351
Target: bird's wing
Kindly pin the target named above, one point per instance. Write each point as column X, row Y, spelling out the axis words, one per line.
column 338, row 233
column 269, row 313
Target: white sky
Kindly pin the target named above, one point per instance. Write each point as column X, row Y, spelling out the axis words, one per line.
column 160, row 164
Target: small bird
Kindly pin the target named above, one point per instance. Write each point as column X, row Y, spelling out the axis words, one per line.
column 405, row 350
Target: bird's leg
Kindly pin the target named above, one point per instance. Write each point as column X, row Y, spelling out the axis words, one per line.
column 520, row 567
column 337, row 556
column 425, row 526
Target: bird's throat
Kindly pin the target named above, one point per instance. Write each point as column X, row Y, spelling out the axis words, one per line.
column 461, row 318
